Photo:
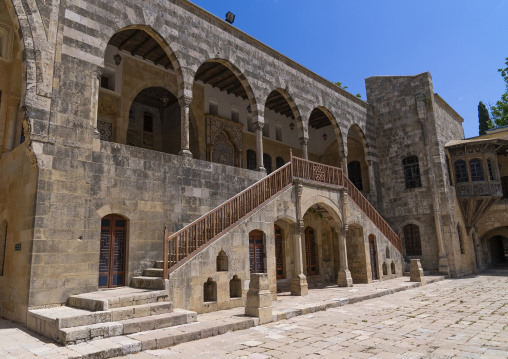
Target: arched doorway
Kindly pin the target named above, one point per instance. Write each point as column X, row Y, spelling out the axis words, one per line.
column 498, row 246
column 310, row 248
column 113, row 251
column 279, row 252
column 373, row 257
column 325, row 142
column 256, row 252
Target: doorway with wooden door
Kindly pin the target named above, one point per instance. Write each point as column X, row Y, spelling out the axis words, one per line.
column 113, row 251
column 373, row 257
column 311, row 251
column 256, row 252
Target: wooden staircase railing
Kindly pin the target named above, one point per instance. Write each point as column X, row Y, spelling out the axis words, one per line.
column 181, row 245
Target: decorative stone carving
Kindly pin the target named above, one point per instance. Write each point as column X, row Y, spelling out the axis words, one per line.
column 224, row 139
column 147, row 139
column 133, row 138
column 105, row 129
column 98, row 71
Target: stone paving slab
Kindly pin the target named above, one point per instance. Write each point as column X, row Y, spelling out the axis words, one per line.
column 18, row 342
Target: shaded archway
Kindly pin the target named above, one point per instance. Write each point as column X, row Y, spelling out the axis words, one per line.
column 224, row 104
column 498, row 246
column 283, row 128
column 325, row 139
column 139, row 85
column 358, row 169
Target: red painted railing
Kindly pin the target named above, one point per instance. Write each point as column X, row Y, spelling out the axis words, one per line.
column 197, row 235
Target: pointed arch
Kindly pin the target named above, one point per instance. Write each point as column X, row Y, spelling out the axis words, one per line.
column 291, row 110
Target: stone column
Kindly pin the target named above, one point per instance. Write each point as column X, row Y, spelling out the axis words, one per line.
column 94, row 108
column 259, row 298
column 305, row 153
column 344, row 278
column 299, row 284
column 259, row 146
column 344, row 165
column 11, row 126
column 184, row 102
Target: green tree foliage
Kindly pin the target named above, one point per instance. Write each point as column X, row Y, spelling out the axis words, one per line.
column 338, row 83
column 484, row 119
column 500, row 109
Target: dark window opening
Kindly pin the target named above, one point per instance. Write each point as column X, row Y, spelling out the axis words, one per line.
column 476, row 170
column 355, row 174
column 104, row 82
column 279, row 162
column 148, row 122
column 22, row 138
column 251, row 160
column 504, row 185
column 268, row 163
column 492, row 176
column 412, row 240
column 461, row 171
column 412, row 172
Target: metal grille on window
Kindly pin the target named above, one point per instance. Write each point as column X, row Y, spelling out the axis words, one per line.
column 268, row 163
column 412, row 172
column 491, row 170
column 476, row 170
column 461, row 171
column 412, row 240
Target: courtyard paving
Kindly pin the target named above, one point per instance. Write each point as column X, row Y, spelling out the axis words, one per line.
column 454, row 318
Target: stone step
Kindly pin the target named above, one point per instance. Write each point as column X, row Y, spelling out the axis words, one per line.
column 87, row 333
column 144, row 282
column 159, row 264
column 49, row 322
column 116, row 298
column 153, row 272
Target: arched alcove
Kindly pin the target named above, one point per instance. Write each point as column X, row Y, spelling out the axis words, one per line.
column 222, row 262
column 393, row 268
column 235, row 287
column 210, row 291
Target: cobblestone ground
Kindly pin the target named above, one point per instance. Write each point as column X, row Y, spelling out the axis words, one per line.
column 462, row 318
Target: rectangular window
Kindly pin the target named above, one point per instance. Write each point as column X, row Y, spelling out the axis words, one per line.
column 104, row 82
column 213, row 107
column 235, row 115
column 148, row 122
column 278, row 132
column 504, row 184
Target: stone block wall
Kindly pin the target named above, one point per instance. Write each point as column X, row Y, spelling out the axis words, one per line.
column 18, row 180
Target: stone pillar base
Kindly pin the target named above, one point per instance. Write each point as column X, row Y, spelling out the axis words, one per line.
column 259, row 298
column 261, row 169
column 299, row 285
column 185, row 153
column 344, row 278
column 444, row 268
column 417, row 272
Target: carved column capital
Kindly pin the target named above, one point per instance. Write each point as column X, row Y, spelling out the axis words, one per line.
column 258, row 126
column 299, row 190
column 184, row 101
column 304, row 141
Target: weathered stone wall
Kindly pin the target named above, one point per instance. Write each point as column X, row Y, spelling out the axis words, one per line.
column 412, row 120
column 151, row 189
column 18, row 178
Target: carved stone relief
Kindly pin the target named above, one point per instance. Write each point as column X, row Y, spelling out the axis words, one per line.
column 105, row 129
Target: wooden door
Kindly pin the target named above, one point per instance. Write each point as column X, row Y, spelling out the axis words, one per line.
column 279, row 253
column 373, row 256
column 310, row 246
column 113, row 250
column 256, row 252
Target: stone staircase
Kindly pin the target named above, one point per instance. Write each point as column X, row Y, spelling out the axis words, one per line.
column 108, row 313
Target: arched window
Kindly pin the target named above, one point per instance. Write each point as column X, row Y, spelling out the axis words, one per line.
column 279, row 162
column 461, row 242
column 267, row 162
column 492, row 174
column 251, row 160
column 460, row 171
column 411, row 172
column 412, row 240
column 476, row 170
column 355, row 174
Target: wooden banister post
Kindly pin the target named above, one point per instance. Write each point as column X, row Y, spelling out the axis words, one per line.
column 165, row 256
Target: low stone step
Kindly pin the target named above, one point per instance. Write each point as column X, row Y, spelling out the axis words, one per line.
column 144, row 282
column 116, row 298
column 153, row 272
column 159, row 264
column 408, row 274
column 160, row 321
column 143, row 310
column 76, row 335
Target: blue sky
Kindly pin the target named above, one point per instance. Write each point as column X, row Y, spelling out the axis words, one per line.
column 461, row 43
